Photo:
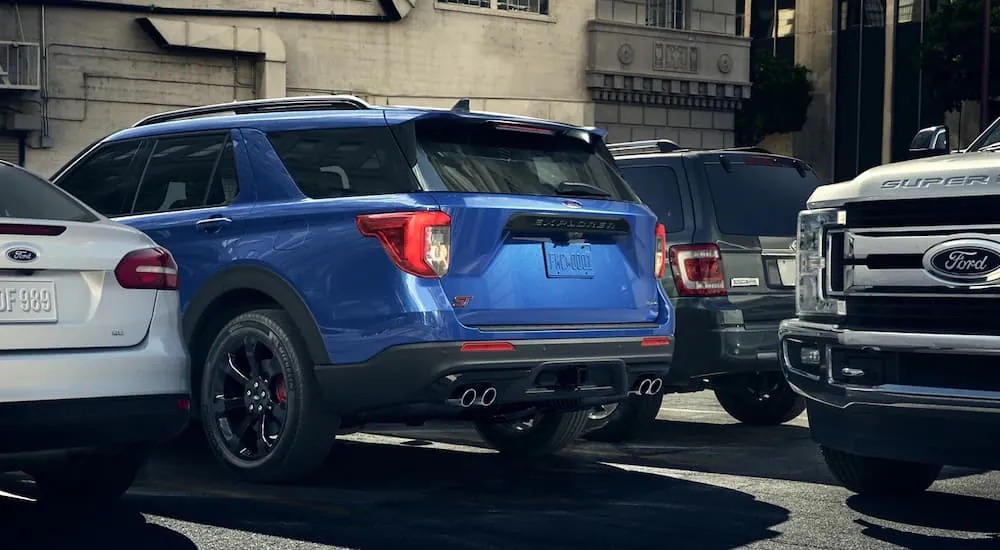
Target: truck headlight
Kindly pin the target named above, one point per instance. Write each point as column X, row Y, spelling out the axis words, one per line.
column 810, row 290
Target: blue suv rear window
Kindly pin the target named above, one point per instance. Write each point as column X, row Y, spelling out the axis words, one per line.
column 505, row 159
column 338, row 162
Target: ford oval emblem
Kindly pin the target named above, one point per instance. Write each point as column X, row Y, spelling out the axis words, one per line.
column 572, row 204
column 22, row 255
column 964, row 261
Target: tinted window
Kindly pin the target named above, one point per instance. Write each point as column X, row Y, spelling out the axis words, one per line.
column 488, row 158
column 760, row 198
column 922, row 140
column 187, row 172
column 102, row 179
column 26, row 195
column 337, row 162
column 658, row 187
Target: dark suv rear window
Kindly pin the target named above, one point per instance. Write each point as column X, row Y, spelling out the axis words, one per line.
column 759, row 196
column 658, row 187
column 499, row 158
column 26, row 195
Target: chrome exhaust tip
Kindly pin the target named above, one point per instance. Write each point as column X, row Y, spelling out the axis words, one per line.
column 468, row 398
column 488, row 397
column 644, row 386
column 655, row 386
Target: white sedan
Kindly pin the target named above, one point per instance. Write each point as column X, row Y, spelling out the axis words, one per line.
column 94, row 368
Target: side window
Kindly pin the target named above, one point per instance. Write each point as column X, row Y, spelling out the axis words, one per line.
column 339, row 162
column 102, row 180
column 658, row 187
column 187, row 172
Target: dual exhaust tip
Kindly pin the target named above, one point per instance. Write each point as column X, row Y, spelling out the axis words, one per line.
column 648, row 386
column 471, row 397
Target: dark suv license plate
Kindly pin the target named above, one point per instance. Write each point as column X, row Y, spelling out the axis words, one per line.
column 568, row 261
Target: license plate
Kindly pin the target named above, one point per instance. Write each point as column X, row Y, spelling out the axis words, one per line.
column 568, row 261
column 788, row 271
column 24, row 301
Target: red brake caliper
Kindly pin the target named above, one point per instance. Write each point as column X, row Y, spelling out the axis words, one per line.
column 280, row 390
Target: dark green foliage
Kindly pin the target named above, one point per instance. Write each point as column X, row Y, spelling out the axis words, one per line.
column 779, row 99
column 951, row 55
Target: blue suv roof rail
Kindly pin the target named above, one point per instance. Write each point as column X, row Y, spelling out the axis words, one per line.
column 303, row 103
column 643, row 147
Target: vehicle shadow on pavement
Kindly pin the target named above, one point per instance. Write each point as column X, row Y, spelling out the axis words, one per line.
column 932, row 510
column 383, row 496
column 31, row 526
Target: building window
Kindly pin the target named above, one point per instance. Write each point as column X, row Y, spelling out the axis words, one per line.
column 536, row 7
column 539, row 7
column 472, row 3
column 665, row 14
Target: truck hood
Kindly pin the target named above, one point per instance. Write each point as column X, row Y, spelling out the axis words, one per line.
column 947, row 175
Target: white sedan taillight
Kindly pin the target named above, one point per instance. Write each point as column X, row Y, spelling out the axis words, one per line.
column 148, row 268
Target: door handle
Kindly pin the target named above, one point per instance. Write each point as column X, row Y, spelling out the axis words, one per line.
column 212, row 224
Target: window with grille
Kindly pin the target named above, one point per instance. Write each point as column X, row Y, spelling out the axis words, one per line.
column 665, row 14
column 473, row 3
column 540, row 7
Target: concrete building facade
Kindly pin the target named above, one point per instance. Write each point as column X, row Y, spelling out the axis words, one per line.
column 640, row 68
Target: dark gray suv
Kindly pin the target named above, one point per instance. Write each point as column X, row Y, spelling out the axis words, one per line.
column 730, row 217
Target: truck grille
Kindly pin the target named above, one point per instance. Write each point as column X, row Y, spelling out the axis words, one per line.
column 879, row 272
column 958, row 315
column 974, row 210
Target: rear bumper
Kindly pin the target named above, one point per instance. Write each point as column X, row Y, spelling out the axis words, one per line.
column 420, row 379
column 159, row 365
column 890, row 412
column 707, row 345
column 33, row 430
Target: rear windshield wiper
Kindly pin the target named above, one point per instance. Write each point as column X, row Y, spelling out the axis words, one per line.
column 580, row 189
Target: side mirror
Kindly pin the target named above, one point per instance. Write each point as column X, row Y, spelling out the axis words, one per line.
column 930, row 142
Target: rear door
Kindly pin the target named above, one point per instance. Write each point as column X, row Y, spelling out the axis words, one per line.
column 544, row 230
column 756, row 199
column 58, row 288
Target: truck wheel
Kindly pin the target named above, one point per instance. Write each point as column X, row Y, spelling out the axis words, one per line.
column 545, row 433
column 88, row 481
column 629, row 419
column 262, row 414
column 762, row 399
column 879, row 476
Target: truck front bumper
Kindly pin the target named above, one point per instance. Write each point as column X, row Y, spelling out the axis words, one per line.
column 932, row 398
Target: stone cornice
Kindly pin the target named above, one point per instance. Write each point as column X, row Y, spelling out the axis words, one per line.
column 674, row 92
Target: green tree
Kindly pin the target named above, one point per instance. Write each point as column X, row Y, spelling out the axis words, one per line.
column 952, row 52
column 779, row 99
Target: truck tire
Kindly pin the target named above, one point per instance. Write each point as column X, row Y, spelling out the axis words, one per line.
column 548, row 433
column 627, row 421
column 777, row 406
column 88, row 482
column 290, row 431
column 867, row 475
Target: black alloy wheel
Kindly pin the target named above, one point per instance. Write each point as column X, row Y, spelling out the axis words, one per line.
column 250, row 397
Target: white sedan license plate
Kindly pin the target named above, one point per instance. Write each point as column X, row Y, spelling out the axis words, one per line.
column 787, row 271
column 23, row 301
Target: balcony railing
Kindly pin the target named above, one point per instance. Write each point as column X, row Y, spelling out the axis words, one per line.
column 662, row 14
column 20, row 65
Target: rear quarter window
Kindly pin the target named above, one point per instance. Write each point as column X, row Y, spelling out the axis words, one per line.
column 756, row 196
column 659, row 188
column 26, row 195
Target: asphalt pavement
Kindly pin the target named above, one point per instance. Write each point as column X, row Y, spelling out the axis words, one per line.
column 697, row 481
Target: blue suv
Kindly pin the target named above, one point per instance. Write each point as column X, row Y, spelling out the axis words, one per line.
column 344, row 264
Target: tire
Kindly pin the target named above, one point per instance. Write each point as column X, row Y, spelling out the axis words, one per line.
column 551, row 432
column 88, row 482
column 630, row 419
column 303, row 440
column 872, row 476
column 742, row 403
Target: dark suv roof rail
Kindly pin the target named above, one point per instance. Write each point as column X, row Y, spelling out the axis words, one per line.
column 749, row 150
column 303, row 103
column 643, row 147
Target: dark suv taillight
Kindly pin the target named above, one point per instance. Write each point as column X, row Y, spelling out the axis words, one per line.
column 698, row 270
